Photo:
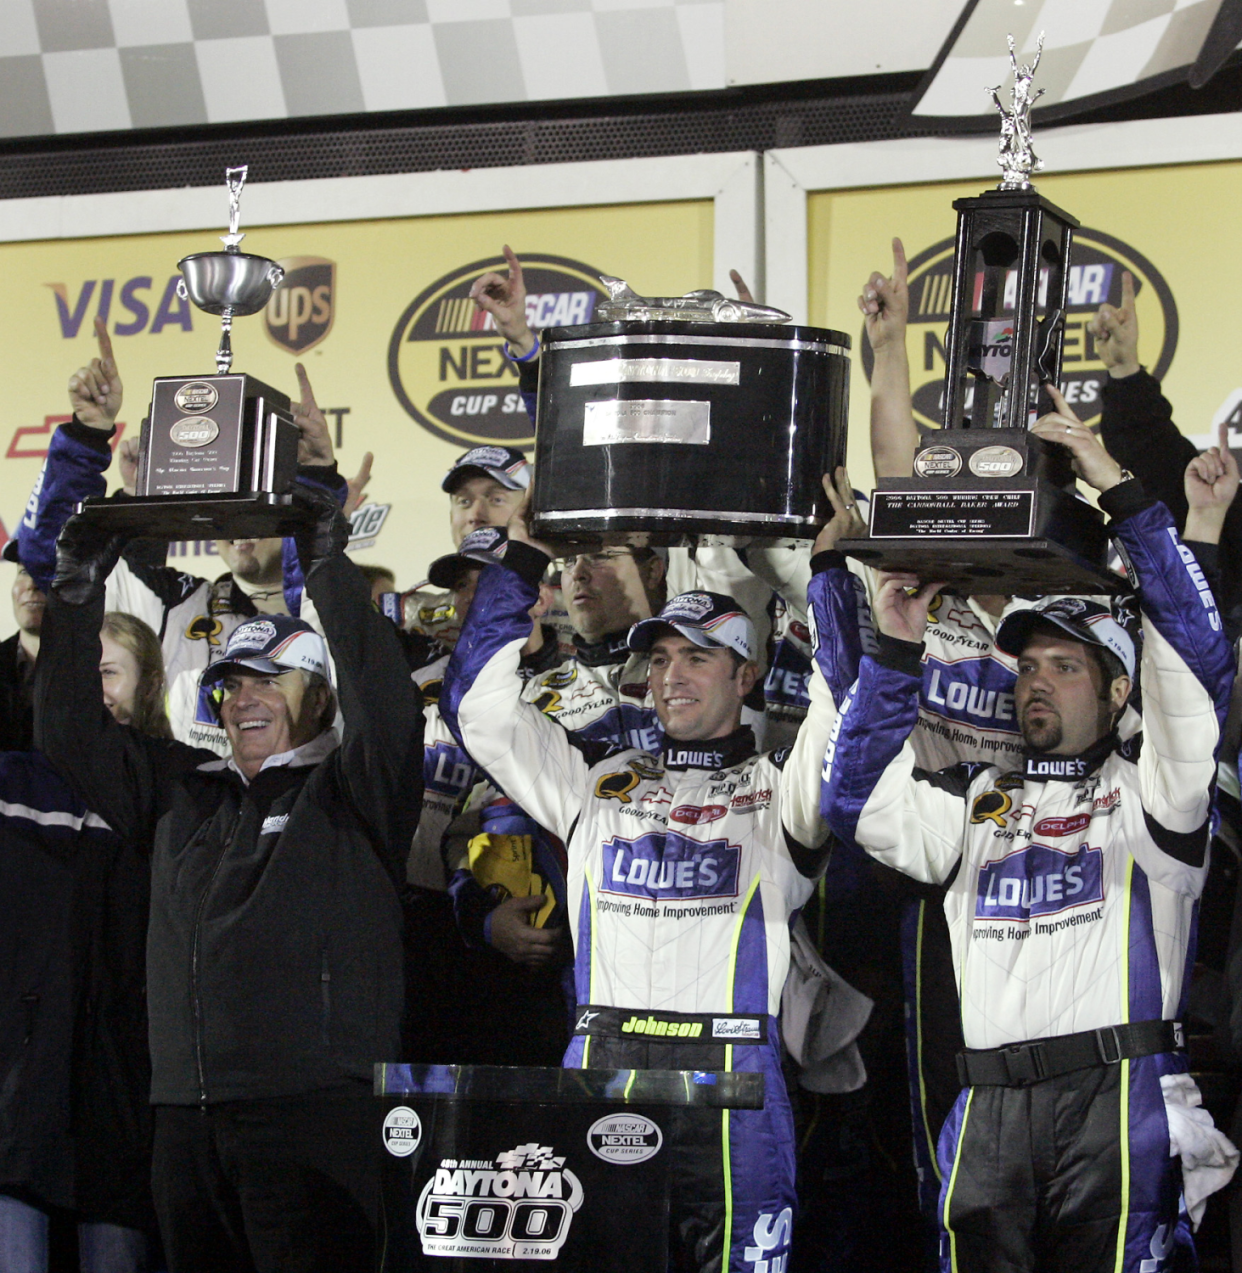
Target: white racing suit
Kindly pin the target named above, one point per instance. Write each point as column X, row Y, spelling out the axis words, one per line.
column 685, row 868
column 1071, row 899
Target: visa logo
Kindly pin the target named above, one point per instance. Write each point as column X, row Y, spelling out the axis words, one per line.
column 135, row 297
column 671, row 866
column 1038, row 881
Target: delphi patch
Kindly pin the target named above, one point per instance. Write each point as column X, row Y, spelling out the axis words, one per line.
column 1038, row 881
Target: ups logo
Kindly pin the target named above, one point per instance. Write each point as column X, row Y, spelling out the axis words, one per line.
column 301, row 310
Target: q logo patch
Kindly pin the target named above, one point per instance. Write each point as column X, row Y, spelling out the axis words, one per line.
column 616, row 787
column 204, row 628
column 991, row 806
column 446, row 360
column 1096, row 264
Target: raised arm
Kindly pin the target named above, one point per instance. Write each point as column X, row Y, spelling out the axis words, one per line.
column 120, row 774
column 885, row 304
column 532, row 759
column 380, row 761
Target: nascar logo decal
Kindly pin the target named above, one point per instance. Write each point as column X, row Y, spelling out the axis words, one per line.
column 1038, row 881
column 1097, row 262
column 624, row 1138
column 670, row 866
column 446, row 360
column 518, row 1208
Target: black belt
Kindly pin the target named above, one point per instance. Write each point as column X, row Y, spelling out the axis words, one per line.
column 642, row 1026
column 1021, row 1064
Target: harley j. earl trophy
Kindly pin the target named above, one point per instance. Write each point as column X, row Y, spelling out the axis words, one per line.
column 218, row 454
column 993, row 508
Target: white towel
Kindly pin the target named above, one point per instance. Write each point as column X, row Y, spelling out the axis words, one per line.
column 1208, row 1156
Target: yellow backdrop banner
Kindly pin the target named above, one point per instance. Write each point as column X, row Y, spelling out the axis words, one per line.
column 377, row 311
column 1170, row 226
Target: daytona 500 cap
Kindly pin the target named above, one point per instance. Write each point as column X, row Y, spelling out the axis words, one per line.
column 273, row 643
column 706, row 618
column 484, row 546
column 501, row 463
column 1085, row 621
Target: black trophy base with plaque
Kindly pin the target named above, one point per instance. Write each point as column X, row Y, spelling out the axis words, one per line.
column 989, row 511
column 218, row 459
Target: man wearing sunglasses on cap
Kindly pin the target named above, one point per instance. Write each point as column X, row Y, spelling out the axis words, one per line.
column 274, row 954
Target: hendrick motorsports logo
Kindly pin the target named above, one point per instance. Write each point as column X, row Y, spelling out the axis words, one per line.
column 1097, row 262
column 446, row 360
column 301, row 310
column 518, row 1208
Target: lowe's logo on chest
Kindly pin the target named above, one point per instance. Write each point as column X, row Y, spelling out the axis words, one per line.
column 972, row 691
column 447, row 770
column 670, row 865
column 1038, row 881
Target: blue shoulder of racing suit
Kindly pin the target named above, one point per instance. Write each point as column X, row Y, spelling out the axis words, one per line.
column 499, row 615
column 1176, row 598
column 77, row 459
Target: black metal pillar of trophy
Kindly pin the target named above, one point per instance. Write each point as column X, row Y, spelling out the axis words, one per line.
column 218, row 454
column 993, row 508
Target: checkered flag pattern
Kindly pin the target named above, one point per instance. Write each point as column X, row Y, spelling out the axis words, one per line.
column 76, row 66
column 1092, row 49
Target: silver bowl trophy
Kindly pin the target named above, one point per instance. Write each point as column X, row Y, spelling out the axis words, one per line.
column 678, row 417
column 218, row 454
column 992, row 507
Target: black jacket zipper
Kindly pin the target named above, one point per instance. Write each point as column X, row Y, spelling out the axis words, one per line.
column 195, row 1000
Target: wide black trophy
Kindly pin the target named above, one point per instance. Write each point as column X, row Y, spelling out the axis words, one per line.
column 218, row 454
column 687, row 416
column 992, row 507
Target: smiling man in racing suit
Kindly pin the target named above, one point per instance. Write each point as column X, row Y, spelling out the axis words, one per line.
column 1071, row 891
column 685, row 867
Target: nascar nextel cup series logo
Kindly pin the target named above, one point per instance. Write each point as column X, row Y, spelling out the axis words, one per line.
column 446, row 360
column 1096, row 264
column 301, row 310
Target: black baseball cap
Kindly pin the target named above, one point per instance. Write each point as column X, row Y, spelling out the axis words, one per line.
column 503, row 464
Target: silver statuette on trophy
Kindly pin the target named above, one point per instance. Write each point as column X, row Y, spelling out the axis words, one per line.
column 991, row 507
column 218, row 453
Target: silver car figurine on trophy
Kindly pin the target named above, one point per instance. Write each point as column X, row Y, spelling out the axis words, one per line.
column 218, row 454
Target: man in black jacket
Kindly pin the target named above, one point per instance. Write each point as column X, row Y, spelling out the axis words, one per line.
column 274, row 951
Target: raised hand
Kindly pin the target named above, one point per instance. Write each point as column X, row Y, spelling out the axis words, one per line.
column 1091, row 461
column 901, row 604
column 1116, row 332
column 95, row 390
column 885, row 302
column 315, row 444
column 127, row 461
column 845, row 523
column 518, row 528
column 1211, row 484
column 358, row 485
column 504, row 298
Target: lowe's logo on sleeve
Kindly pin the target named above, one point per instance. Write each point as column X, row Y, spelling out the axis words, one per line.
column 1038, row 881
column 670, row 866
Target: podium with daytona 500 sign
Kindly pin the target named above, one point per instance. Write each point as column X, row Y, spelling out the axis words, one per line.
column 510, row 1168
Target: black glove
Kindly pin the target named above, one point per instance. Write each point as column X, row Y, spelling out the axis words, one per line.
column 326, row 533
column 86, row 554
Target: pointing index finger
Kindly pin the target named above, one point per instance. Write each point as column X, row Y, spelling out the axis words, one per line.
column 515, row 266
column 1063, row 407
column 900, row 268
column 105, row 343
column 304, row 384
column 1127, row 290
